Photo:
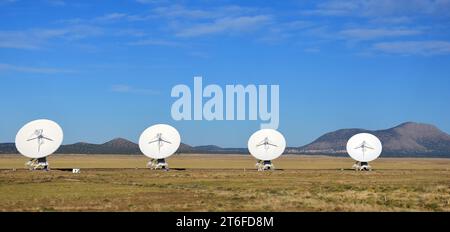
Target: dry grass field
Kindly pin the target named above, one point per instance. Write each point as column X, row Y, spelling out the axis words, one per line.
column 224, row 183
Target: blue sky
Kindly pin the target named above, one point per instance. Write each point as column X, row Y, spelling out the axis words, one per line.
column 105, row 69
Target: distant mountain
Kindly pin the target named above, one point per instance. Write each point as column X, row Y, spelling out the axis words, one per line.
column 407, row 139
column 213, row 149
column 121, row 146
column 115, row 146
column 8, row 148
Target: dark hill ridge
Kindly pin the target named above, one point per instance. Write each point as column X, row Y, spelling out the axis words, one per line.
column 8, row 148
column 213, row 149
column 407, row 139
column 115, row 146
column 120, row 146
column 120, row 143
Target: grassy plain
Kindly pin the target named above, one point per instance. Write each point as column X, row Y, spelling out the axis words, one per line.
column 224, row 183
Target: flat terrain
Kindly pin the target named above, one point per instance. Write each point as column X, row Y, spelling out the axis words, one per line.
column 224, row 183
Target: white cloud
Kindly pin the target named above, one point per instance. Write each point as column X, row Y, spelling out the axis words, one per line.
column 190, row 22
column 333, row 8
column 376, row 33
column 225, row 25
column 18, row 40
column 182, row 12
column 106, row 18
column 36, row 38
column 193, row 22
column 28, row 39
column 382, row 8
column 155, row 42
column 425, row 48
column 392, row 20
column 382, row 21
column 282, row 31
column 26, row 69
column 110, row 17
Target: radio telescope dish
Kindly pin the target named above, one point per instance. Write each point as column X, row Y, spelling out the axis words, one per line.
column 266, row 144
column 159, row 141
column 39, row 138
column 364, row 147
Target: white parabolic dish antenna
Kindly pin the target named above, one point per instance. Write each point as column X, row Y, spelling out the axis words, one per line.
column 39, row 138
column 266, row 144
column 159, row 141
column 364, row 147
